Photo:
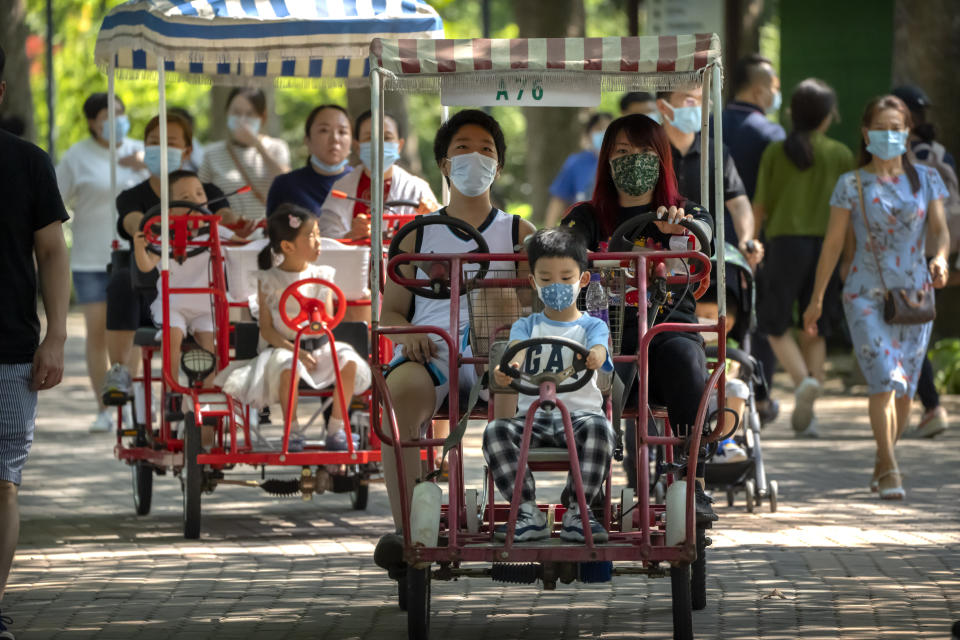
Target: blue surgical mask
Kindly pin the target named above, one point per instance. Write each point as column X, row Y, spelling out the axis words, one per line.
column 887, row 144
column 596, row 140
column 686, row 119
column 233, row 122
column 655, row 116
column 777, row 102
column 391, row 153
column 151, row 158
column 558, row 296
column 122, row 128
column 328, row 168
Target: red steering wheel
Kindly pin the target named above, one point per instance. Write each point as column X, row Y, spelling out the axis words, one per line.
column 312, row 310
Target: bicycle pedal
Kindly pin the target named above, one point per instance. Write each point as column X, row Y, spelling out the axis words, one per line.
column 115, row 398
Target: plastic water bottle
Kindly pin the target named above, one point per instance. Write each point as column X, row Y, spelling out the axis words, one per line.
column 597, row 305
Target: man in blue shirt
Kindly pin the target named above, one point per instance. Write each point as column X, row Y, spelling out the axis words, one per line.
column 574, row 182
column 746, row 129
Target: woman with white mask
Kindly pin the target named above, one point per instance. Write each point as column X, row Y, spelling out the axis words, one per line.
column 350, row 218
column 83, row 177
column 247, row 156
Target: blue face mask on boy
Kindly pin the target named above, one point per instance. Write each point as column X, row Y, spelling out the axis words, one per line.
column 558, row 296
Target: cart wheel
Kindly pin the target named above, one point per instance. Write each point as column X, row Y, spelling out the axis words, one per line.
column 772, row 490
column 191, row 478
column 750, row 495
column 682, row 612
column 418, row 603
column 359, row 496
column 698, row 574
column 402, row 592
column 142, row 473
column 731, row 496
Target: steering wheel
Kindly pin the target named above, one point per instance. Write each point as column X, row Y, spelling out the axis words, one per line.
column 179, row 224
column 624, row 236
column 312, row 310
column 438, row 273
column 529, row 384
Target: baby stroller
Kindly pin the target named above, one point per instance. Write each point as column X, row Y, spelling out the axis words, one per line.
column 744, row 472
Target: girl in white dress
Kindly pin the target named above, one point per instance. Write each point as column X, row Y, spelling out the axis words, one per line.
column 290, row 256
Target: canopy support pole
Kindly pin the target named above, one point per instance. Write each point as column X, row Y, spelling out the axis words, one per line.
column 716, row 86
column 444, row 187
column 164, row 171
column 376, row 195
column 706, row 100
column 112, row 123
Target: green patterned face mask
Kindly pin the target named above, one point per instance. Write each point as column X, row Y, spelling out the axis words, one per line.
column 637, row 173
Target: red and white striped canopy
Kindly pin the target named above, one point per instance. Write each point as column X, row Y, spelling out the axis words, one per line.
column 647, row 61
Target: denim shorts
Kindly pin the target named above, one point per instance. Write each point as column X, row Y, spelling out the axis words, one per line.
column 18, row 414
column 90, row 286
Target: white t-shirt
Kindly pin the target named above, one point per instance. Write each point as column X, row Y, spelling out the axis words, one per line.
column 218, row 167
column 83, row 177
column 586, row 330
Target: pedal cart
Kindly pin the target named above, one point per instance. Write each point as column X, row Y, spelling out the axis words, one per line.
column 241, row 44
column 456, row 539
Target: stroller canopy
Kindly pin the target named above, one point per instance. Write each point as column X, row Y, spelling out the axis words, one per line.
column 239, row 41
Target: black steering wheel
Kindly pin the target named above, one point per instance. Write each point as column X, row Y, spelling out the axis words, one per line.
column 438, row 273
column 150, row 225
column 624, row 236
column 529, row 384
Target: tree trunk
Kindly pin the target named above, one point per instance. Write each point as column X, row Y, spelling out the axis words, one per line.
column 553, row 133
column 743, row 21
column 18, row 101
column 926, row 53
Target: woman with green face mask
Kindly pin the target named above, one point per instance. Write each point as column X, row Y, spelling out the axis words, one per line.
column 635, row 176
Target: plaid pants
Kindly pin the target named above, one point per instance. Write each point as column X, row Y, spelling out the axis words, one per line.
column 594, row 442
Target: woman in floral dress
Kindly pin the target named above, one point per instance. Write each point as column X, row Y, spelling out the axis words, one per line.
column 902, row 202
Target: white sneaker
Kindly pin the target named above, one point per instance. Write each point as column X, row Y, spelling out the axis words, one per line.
column 103, row 422
column 807, row 392
column 730, row 451
column 531, row 524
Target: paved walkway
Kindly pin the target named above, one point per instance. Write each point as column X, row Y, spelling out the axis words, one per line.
column 833, row 562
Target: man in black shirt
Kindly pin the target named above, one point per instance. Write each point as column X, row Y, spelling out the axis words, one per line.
column 30, row 228
column 681, row 122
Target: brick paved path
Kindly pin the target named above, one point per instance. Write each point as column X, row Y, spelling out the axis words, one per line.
column 843, row 564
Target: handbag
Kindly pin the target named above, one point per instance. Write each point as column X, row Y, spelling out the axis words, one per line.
column 901, row 305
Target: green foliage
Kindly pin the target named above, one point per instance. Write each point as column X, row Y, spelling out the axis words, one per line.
column 945, row 356
column 76, row 23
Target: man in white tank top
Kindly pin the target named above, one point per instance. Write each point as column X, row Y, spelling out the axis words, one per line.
column 470, row 150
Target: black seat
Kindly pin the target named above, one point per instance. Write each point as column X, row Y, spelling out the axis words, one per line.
column 147, row 337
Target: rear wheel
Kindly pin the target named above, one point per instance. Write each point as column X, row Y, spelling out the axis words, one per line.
column 191, row 478
column 142, row 473
column 682, row 612
column 360, row 495
column 402, row 592
column 698, row 573
column 418, row 603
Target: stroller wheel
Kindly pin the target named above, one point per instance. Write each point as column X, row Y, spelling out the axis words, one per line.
column 772, row 490
column 749, row 489
column 731, row 496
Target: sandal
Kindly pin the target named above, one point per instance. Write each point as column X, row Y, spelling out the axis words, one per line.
column 895, row 492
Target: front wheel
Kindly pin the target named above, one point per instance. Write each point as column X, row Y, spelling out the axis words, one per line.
column 418, row 603
column 682, row 611
column 142, row 473
column 361, row 494
column 191, row 478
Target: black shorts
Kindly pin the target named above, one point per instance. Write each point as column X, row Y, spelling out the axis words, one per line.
column 128, row 308
column 785, row 283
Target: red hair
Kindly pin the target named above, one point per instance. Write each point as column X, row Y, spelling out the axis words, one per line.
column 641, row 132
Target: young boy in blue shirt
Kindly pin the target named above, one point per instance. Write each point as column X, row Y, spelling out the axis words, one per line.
column 558, row 270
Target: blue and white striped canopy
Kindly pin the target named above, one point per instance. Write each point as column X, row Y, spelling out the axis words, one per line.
column 249, row 40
